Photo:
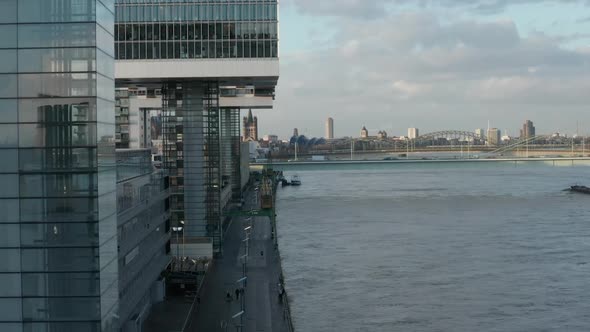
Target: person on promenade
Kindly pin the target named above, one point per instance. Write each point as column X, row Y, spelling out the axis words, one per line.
column 237, row 294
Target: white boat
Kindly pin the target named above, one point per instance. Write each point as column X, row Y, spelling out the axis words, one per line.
column 295, row 181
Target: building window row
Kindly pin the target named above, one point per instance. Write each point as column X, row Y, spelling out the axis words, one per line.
column 197, row 12
column 195, row 31
column 197, row 50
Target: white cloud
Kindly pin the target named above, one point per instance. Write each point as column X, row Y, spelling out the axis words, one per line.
column 410, row 69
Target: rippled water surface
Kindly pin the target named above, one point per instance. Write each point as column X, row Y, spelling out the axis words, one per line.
column 461, row 247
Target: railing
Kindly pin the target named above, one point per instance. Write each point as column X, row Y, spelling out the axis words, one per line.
column 286, row 306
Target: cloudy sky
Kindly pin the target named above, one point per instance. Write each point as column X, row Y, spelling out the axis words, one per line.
column 446, row 64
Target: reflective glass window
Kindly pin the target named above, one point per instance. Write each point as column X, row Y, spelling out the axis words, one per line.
column 104, row 17
column 40, row 11
column 61, row 308
column 59, row 234
column 8, row 11
column 8, row 110
column 56, row 60
column 8, row 36
column 57, row 85
column 60, row 326
column 58, row 185
column 10, row 260
column 54, row 135
column 9, row 187
column 8, row 135
column 62, row 284
column 59, row 210
column 64, row 110
column 8, row 61
column 9, row 208
column 10, row 285
column 10, row 309
column 59, row 260
column 9, row 236
column 8, row 84
column 57, row 35
column 9, row 161
column 57, row 159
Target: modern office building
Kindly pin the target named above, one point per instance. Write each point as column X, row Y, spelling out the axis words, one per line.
column 528, row 130
column 58, row 226
column 494, row 137
column 481, row 133
column 330, row 128
column 143, row 229
column 211, row 59
column 84, row 231
column 295, row 132
column 250, row 124
column 413, row 133
column 133, row 108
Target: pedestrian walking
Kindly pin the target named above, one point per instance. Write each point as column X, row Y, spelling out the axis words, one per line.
column 237, row 294
column 262, row 253
column 228, row 297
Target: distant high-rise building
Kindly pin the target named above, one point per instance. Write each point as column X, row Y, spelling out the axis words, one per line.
column 271, row 138
column 494, row 136
column 330, row 128
column 296, row 132
column 250, row 127
column 413, row 133
column 528, row 130
column 480, row 132
column 364, row 133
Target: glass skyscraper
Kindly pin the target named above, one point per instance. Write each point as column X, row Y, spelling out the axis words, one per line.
column 58, row 253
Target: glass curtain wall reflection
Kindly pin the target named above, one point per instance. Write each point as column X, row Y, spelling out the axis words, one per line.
column 58, row 244
column 160, row 29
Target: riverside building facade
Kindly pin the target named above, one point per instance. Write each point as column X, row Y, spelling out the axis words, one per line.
column 210, row 59
column 85, row 228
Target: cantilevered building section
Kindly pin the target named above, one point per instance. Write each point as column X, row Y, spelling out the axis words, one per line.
column 211, row 59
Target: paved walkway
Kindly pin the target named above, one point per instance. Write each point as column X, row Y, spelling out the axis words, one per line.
column 262, row 309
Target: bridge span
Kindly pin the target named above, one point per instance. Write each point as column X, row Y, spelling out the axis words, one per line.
column 300, row 165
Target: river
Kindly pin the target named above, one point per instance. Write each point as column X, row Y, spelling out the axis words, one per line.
column 437, row 247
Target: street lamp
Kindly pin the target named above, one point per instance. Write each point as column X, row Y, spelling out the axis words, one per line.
column 177, row 230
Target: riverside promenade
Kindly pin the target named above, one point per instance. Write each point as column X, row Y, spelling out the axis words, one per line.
column 263, row 311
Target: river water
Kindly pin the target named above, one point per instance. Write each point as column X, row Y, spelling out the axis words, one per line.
column 437, row 247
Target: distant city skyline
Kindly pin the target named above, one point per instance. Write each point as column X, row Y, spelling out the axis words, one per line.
column 436, row 65
column 513, row 130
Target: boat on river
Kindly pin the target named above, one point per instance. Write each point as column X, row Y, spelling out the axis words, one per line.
column 295, row 180
column 580, row 189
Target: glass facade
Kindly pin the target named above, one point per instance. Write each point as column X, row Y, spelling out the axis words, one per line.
column 193, row 29
column 58, row 242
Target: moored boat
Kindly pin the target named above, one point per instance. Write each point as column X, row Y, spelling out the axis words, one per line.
column 295, row 180
column 580, row 189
